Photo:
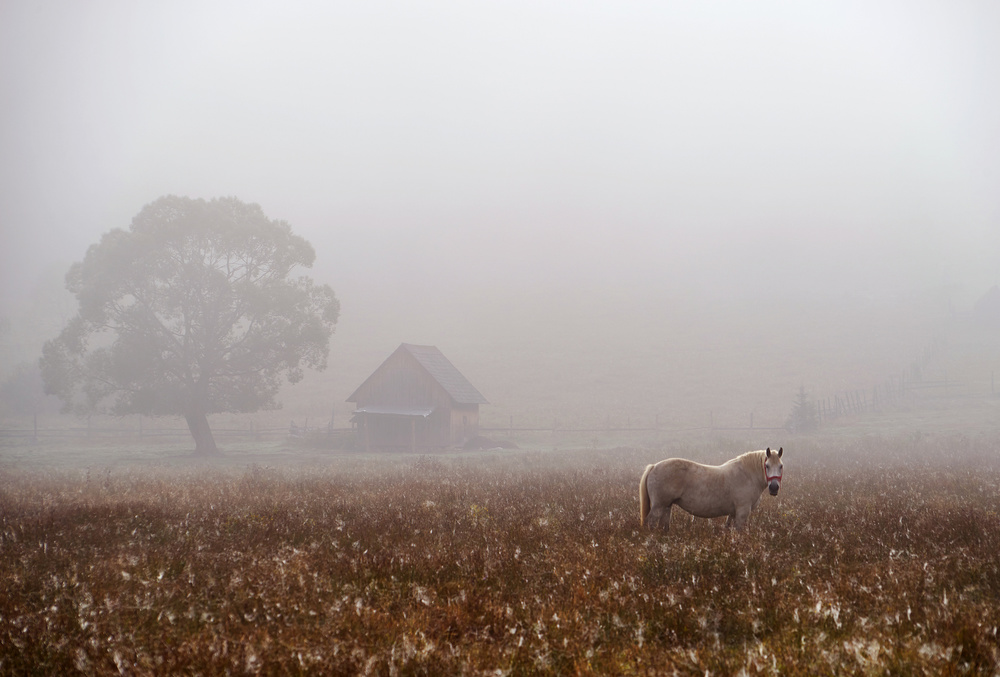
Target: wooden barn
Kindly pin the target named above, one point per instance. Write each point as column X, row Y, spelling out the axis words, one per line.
column 416, row 399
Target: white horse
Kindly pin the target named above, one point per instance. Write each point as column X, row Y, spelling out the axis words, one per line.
column 732, row 489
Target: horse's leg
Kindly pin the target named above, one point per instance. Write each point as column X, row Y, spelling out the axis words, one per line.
column 659, row 516
column 741, row 516
column 653, row 518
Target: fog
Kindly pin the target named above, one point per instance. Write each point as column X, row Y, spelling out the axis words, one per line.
column 472, row 150
column 848, row 145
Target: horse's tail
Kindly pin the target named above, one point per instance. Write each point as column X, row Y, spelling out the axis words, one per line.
column 644, row 496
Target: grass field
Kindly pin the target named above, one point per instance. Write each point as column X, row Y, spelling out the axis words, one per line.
column 879, row 556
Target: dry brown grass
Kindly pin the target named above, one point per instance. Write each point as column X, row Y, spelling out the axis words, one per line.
column 523, row 563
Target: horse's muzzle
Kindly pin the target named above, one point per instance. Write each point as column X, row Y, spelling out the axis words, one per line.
column 773, row 487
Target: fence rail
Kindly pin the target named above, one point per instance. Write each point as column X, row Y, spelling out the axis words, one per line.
column 895, row 392
column 77, row 433
column 557, row 429
column 142, row 432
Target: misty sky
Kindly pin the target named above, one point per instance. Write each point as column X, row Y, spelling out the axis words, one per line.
column 821, row 146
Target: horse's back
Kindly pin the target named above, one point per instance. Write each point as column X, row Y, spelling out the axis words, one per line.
column 666, row 479
column 683, row 467
column 697, row 488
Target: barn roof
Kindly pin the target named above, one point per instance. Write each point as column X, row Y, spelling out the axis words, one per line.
column 441, row 370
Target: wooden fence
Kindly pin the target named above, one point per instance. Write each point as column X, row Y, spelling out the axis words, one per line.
column 143, row 431
column 893, row 393
column 618, row 428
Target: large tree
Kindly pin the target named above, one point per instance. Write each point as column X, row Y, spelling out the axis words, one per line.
column 190, row 312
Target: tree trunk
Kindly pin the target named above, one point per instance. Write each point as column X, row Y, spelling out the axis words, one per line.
column 204, row 441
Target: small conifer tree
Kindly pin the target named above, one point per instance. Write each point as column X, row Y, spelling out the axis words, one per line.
column 802, row 418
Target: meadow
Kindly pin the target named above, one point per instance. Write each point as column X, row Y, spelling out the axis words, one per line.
column 879, row 556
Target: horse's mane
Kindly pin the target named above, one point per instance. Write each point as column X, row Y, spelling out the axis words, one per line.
column 753, row 461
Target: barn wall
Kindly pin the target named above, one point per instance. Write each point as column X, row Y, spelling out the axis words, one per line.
column 402, row 382
column 464, row 422
column 383, row 431
column 445, row 427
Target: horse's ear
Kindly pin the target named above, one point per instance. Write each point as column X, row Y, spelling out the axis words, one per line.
column 768, row 452
column 780, row 449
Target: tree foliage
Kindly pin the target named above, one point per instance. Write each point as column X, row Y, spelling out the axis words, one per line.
column 192, row 311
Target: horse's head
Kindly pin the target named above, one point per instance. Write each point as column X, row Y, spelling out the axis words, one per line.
column 772, row 470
